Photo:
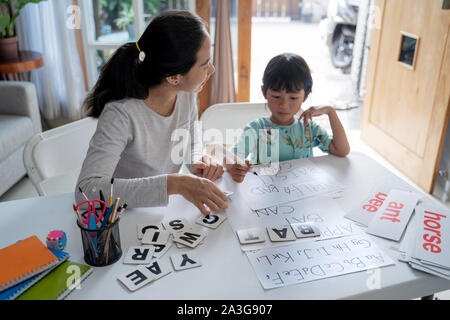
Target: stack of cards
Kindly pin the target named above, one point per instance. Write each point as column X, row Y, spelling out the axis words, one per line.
column 386, row 213
column 425, row 245
column 156, row 239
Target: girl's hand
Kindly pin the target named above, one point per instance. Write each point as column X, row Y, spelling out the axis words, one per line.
column 238, row 171
column 208, row 168
column 339, row 146
column 201, row 192
column 315, row 112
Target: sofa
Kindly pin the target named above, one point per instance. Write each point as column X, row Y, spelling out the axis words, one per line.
column 19, row 121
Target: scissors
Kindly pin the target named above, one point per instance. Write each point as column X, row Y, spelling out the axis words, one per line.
column 92, row 213
column 92, row 220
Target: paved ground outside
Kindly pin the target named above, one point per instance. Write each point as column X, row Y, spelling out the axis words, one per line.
column 271, row 37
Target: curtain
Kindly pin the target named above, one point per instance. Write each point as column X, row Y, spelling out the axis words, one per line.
column 46, row 28
column 360, row 49
column 222, row 81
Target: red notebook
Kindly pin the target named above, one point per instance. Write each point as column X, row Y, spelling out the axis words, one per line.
column 23, row 260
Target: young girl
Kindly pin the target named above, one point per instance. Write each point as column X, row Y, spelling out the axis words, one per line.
column 144, row 97
column 287, row 82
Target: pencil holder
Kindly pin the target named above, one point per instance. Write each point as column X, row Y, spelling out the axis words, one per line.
column 101, row 246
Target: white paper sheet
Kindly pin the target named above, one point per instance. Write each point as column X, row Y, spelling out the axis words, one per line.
column 308, row 261
column 326, row 214
column 296, row 179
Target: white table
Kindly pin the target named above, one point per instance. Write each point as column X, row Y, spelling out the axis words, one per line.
column 226, row 272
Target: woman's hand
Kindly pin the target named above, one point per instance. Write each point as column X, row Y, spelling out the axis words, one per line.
column 201, row 192
column 208, row 168
column 238, row 171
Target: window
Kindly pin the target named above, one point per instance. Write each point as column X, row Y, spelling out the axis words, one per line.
column 108, row 24
column 408, row 49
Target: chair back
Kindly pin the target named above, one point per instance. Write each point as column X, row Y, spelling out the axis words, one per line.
column 232, row 116
column 58, row 152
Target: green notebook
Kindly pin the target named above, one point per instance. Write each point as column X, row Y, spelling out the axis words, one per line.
column 59, row 283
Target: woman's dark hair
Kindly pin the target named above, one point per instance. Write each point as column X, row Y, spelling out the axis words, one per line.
column 287, row 71
column 170, row 42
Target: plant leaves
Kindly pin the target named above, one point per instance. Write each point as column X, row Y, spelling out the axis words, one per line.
column 4, row 21
column 299, row 142
column 19, row 4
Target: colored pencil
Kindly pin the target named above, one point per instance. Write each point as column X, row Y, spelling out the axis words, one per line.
column 111, row 194
column 112, row 219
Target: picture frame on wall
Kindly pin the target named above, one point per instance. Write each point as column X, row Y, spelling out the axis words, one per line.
column 408, row 49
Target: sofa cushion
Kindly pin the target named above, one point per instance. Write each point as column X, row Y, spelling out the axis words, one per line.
column 15, row 131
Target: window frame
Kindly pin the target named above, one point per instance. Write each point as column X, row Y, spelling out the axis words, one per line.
column 90, row 44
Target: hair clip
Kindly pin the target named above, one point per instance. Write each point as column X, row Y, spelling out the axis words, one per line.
column 141, row 53
column 141, row 56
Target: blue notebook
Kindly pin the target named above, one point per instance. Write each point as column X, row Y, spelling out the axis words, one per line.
column 13, row 292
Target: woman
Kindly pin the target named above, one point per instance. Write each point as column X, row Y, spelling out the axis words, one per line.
column 144, row 97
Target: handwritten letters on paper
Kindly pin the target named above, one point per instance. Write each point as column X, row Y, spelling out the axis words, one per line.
column 294, row 181
column 314, row 260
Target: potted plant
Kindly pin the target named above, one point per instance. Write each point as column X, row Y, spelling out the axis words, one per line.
column 126, row 19
column 9, row 11
column 126, row 14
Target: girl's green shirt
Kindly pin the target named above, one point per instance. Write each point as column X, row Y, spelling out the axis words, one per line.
column 259, row 139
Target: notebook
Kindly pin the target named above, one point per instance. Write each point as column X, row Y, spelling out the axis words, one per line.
column 14, row 292
column 59, row 283
column 23, row 260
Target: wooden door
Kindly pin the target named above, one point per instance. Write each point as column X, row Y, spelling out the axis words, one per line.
column 406, row 107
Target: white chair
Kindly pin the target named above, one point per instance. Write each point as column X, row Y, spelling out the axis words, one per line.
column 223, row 116
column 219, row 118
column 53, row 159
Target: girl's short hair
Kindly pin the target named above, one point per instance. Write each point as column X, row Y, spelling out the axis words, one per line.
column 287, row 71
column 170, row 42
